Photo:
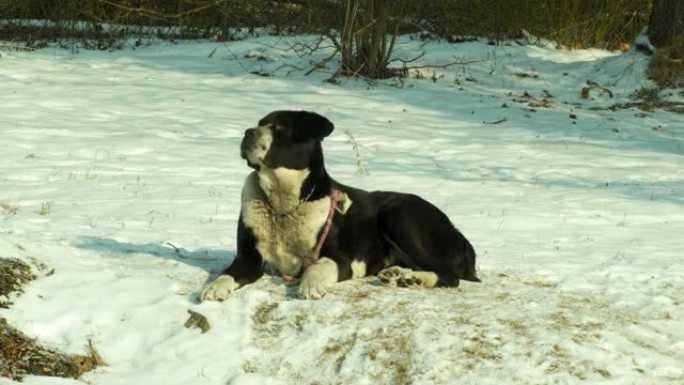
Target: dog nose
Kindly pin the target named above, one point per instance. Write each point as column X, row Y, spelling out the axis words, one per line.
column 250, row 133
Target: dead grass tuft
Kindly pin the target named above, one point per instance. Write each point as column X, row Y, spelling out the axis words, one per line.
column 395, row 353
column 9, row 209
column 603, row 372
column 519, row 327
column 21, row 355
column 266, row 326
column 263, row 313
column 360, row 164
column 540, row 284
column 481, row 348
column 338, row 349
column 13, row 274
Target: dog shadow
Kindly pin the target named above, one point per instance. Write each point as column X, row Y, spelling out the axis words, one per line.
column 213, row 261
column 210, row 260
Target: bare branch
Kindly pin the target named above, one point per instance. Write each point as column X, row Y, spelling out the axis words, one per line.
column 496, row 121
column 161, row 14
column 405, row 61
column 322, row 63
column 445, row 65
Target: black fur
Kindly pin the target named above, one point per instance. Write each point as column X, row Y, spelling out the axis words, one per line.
column 380, row 228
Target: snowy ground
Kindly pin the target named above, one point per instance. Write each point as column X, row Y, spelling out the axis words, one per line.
column 578, row 222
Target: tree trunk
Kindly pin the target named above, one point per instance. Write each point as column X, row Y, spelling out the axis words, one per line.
column 368, row 36
column 667, row 22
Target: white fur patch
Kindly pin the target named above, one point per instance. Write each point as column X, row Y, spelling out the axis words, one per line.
column 318, row 278
column 220, row 289
column 344, row 203
column 282, row 186
column 358, row 269
column 286, row 229
column 261, row 146
column 403, row 277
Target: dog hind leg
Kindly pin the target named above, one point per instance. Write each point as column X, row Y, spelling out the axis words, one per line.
column 420, row 237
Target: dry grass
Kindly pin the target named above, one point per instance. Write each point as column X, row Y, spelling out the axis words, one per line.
column 481, row 347
column 21, row 355
column 263, row 313
column 395, row 353
column 13, row 274
column 360, row 167
column 540, row 284
column 265, row 324
column 44, row 209
column 571, row 23
column 519, row 327
column 9, row 208
column 338, row 350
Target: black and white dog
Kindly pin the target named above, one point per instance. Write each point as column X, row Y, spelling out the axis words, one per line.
column 315, row 231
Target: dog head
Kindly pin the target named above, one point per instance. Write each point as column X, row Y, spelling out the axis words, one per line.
column 285, row 139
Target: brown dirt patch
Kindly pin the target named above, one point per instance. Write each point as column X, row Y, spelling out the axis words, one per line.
column 13, row 274
column 21, row 355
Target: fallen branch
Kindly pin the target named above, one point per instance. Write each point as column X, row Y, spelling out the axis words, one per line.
column 591, row 85
column 288, row 65
column 444, row 65
column 407, row 61
column 496, row 121
column 322, row 63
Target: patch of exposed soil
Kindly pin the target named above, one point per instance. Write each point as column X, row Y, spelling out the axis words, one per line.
column 21, row 355
column 13, row 274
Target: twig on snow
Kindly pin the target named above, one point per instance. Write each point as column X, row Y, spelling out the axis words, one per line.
column 445, row 65
column 496, row 121
column 178, row 252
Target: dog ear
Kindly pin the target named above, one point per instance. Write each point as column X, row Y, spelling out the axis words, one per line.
column 310, row 125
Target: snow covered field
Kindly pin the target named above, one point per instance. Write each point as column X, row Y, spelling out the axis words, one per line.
column 576, row 212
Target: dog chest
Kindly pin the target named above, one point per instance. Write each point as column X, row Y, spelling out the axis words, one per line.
column 284, row 239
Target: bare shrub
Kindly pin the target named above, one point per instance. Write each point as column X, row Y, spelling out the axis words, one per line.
column 572, row 23
column 368, row 34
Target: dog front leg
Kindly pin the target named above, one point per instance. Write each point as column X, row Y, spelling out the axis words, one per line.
column 246, row 268
column 317, row 278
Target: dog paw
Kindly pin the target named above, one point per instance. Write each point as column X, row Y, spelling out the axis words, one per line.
column 308, row 289
column 402, row 277
column 220, row 289
column 317, row 279
column 410, row 281
column 391, row 275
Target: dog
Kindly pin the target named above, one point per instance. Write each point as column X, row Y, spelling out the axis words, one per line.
column 315, row 231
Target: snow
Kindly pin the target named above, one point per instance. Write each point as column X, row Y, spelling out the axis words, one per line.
column 108, row 156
